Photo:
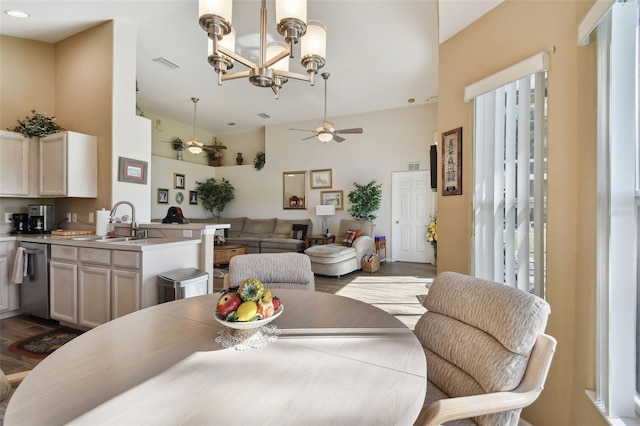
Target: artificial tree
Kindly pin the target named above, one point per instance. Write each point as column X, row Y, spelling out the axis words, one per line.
column 215, row 194
column 365, row 200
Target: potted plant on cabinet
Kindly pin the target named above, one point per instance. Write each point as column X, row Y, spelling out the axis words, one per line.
column 38, row 125
column 215, row 194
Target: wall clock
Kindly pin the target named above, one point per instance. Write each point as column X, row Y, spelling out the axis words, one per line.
column 179, row 197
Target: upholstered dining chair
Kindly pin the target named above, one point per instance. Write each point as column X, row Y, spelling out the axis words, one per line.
column 275, row 270
column 487, row 354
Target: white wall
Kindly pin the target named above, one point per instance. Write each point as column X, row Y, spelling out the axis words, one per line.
column 391, row 139
column 131, row 134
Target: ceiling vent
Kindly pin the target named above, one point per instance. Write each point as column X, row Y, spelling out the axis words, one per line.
column 264, row 115
column 167, row 63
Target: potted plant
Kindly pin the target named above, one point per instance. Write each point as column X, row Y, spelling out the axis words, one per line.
column 259, row 161
column 214, row 152
column 365, row 200
column 38, row 125
column 215, row 194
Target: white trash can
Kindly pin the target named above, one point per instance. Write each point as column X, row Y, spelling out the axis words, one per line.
column 182, row 283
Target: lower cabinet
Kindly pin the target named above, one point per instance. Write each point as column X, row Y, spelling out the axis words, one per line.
column 92, row 286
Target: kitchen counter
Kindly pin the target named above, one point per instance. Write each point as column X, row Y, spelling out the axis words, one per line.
column 133, row 245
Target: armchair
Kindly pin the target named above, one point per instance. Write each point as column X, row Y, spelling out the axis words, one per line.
column 275, row 270
column 486, row 350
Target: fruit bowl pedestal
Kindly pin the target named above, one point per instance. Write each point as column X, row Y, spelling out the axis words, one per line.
column 248, row 335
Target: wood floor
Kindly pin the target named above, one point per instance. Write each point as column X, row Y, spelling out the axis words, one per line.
column 396, row 288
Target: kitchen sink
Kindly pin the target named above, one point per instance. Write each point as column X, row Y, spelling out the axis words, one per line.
column 106, row 239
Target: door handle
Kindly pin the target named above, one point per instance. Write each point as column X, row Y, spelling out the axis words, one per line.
column 397, row 222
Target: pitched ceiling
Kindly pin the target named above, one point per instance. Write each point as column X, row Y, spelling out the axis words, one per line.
column 380, row 54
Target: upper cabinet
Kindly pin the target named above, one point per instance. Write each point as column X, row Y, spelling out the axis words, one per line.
column 69, row 165
column 18, row 165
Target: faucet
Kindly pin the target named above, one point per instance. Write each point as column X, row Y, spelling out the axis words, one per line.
column 134, row 225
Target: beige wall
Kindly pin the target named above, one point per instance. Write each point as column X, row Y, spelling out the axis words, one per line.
column 511, row 32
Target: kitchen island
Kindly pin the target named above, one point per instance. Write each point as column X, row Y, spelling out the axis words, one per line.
column 95, row 281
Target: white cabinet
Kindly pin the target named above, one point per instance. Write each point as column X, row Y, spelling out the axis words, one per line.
column 18, row 165
column 9, row 292
column 68, row 165
column 92, row 286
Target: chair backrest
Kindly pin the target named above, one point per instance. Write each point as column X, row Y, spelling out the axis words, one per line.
column 478, row 336
column 275, row 270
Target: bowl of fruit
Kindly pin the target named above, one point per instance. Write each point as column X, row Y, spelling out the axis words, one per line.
column 247, row 306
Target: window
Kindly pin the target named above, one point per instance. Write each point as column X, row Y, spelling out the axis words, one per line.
column 618, row 189
column 510, row 183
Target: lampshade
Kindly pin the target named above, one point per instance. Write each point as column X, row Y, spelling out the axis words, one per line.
column 314, row 42
column 221, row 8
column 273, row 49
column 325, row 210
column 291, row 9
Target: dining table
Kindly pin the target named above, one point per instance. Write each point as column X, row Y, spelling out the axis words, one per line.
column 330, row 360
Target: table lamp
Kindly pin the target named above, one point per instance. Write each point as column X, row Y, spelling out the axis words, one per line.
column 325, row 210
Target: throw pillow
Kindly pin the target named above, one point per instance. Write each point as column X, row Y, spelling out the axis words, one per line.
column 358, row 233
column 302, row 228
column 296, row 235
column 348, row 238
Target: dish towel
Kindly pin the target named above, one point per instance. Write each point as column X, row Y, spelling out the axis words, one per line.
column 20, row 265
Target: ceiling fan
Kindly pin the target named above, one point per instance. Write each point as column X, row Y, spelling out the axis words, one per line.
column 327, row 132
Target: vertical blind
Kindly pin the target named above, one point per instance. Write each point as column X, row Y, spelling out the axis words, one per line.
column 509, row 184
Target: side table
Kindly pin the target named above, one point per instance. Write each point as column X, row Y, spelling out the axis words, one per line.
column 381, row 244
column 318, row 239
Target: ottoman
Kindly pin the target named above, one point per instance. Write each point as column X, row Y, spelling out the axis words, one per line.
column 332, row 259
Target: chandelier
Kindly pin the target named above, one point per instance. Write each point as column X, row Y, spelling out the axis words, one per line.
column 272, row 69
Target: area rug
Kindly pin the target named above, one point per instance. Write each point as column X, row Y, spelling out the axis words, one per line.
column 43, row 344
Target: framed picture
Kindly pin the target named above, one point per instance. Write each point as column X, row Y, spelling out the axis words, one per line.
column 452, row 162
column 193, row 197
column 178, row 181
column 163, row 196
column 133, row 171
column 333, row 198
column 321, row 179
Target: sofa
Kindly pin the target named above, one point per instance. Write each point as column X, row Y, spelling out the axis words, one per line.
column 265, row 235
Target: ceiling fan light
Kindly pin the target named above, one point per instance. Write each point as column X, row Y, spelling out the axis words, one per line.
column 194, row 148
column 325, row 137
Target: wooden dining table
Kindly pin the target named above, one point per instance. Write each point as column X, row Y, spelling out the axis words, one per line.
column 336, row 361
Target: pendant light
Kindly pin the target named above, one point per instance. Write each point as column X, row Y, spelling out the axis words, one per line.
column 195, row 147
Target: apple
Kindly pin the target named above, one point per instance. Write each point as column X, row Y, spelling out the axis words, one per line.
column 228, row 303
column 276, row 303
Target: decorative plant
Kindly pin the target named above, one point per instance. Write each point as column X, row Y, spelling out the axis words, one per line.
column 215, row 194
column 432, row 232
column 214, row 152
column 38, row 125
column 259, row 161
column 365, row 200
column 139, row 110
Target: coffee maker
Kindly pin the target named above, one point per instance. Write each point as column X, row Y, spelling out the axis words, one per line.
column 41, row 219
column 20, row 223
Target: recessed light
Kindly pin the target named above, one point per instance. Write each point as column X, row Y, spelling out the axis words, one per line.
column 16, row 14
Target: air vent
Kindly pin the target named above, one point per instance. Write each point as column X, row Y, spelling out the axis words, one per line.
column 167, row 63
column 413, row 167
column 264, row 115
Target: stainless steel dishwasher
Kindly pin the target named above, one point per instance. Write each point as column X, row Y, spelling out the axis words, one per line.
column 34, row 290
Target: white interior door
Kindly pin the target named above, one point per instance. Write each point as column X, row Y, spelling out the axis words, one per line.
column 413, row 204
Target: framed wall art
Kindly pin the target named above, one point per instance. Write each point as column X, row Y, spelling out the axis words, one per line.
column 452, row 162
column 163, row 196
column 193, row 197
column 334, row 198
column 133, row 171
column 178, row 181
column 321, row 179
